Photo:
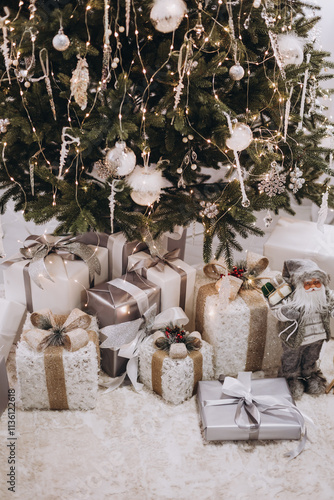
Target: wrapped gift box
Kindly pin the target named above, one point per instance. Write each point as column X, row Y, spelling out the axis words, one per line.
column 244, row 335
column 66, row 291
column 296, row 239
column 176, row 280
column 12, row 315
column 119, row 249
column 173, row 379
column 4, row 387
column 57, row 378
column 118, row 301
column 219, row 420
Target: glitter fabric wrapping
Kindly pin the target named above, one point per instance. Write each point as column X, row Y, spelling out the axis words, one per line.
column 177, row 375
column 244, row 337
column 80, row 372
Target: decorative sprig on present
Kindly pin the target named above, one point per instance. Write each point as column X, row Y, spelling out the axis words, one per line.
column 249, row 277
column 175, row 335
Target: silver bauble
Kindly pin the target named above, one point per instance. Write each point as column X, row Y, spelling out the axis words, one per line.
column 291, row 49
column 120, row 159
column 167, row 15
column 61, row 41
column 236, row 72
column 241, row 137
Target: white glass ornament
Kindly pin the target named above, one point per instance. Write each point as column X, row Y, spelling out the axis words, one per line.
column 167, row 15
column 236, row 72
column 291, row 49
column 61, row 41
column 120, row 159
column 257, row 4
column 241, row 137
column 146, row 184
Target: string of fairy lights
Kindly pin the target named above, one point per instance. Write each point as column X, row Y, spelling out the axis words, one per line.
column 197, row 41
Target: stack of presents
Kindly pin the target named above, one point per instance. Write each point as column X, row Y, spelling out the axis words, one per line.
column 95, row 310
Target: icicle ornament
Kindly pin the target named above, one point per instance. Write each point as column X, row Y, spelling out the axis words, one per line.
column 323, row 212
column 287, row 114
column 80, row 82
column 302, row 103
column 4, row 46
column 66, row 141
column 106, row 46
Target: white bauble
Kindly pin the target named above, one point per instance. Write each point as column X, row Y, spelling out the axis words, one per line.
column 257, row 4
column 120, row 159
column 241, row 137
column 61, row 41
column 236, row 72
column 166, row 15
column 291, row 49
column 146, row 184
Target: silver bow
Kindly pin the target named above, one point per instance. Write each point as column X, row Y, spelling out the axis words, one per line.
column 67, row 246
column 250, row 407
column 145, row 326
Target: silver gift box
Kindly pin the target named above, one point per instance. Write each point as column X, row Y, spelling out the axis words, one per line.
column 219, row 421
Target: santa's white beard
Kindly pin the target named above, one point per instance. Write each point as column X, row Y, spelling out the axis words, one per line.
column 313, row 300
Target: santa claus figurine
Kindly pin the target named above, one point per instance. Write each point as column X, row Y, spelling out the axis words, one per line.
column 304, row 325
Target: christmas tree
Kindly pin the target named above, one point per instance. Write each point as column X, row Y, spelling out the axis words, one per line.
column 114, row 111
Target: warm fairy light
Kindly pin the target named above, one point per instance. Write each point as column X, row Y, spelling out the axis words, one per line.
column 136, row 32
column 88, row 7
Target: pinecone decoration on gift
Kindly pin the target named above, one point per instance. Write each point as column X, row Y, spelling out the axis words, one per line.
column 177, row 342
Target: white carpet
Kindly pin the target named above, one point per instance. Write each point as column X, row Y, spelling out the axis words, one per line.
column 137, row 447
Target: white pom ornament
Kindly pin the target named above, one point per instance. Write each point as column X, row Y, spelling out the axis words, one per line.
column 146, row 184
column 120, row 159
column 61, row 41
column 291, row 49
column 167, row 15
column 236, row 72
column 241, row 137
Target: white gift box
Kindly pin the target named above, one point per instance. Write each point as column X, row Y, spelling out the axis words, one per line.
column 297, row 239
column 11, row 322
column 170, row 282
column 66, row 291
column 80, row 373
column 244, row 335
column 177, row 375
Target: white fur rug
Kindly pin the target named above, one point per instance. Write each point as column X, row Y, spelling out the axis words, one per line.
column 136, row 446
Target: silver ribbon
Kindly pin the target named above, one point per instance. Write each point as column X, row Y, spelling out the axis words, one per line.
column 130, row 351
column 38, row 247
column 250, row 407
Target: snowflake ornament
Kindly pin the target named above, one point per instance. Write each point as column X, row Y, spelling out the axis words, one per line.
column 296, row 179
column 210, row 210
column 274, row 182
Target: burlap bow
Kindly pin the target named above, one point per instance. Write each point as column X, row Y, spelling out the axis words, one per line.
column 255, row 265
column 50, row 329
column 158, row 261
column 38, row 247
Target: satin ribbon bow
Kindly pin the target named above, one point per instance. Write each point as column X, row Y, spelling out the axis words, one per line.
column 38, row 247
column 158, row 261
column 144, row 326
column 250, row 407
column 50, row 329
column 255, row 265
